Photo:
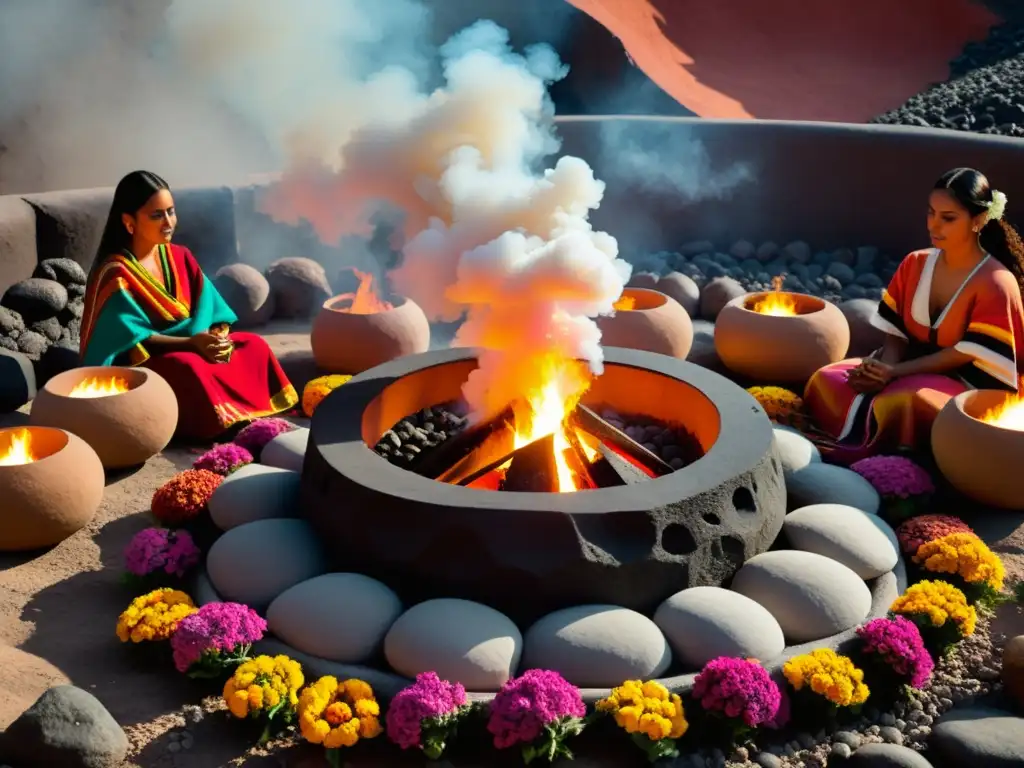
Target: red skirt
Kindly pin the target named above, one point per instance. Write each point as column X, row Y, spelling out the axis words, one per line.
column 213, row 397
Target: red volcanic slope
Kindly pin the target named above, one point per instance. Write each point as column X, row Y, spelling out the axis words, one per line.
column 839, row 60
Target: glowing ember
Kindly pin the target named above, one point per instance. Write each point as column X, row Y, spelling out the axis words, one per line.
column 1008, row 415
column 777, row 303
column 546, row 411
column 19, row 451
column 96, row 386
column 364, row 301
column 625, row 304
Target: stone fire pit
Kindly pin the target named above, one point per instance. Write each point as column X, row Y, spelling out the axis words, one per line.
column 779, row 336
column 648, row 320
column 978, row 443
column 127, row 415
column 527, row 553
column 51, row 483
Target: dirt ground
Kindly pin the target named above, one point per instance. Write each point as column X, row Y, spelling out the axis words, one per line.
column 58, row 610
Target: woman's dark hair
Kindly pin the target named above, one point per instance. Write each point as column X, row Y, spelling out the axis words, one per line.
column 971, row 189
column 132, row 192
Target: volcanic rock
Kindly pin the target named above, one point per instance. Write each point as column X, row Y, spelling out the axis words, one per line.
column 299, row 287
column 32, row 344
column 61, row 356
column 17, row 380
column 11, row 323
column 65, row 728
column 247, row 292
column 64, row 271
column 36, row 298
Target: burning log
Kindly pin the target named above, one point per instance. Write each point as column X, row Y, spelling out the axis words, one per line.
column 449, row 455
column 586, row 420
column 533, row 468
column 611, row 470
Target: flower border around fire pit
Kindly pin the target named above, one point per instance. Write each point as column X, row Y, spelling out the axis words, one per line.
column 781, row 348
column 124, row 429
column 712, row 515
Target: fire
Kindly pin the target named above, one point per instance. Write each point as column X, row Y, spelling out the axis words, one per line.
column 777, row 303
column 546, row 410
column 364, row 301
column 1008, row 415
column 19, row 451
column 96, row 386
column 625, row 304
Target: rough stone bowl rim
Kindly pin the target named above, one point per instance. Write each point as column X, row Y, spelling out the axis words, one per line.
column 740, row 416
column 741, row 302
column 10, row 469
column 388, row 683
column 397, row 301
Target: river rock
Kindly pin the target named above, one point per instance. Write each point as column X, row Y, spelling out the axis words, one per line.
column 820, row 483
column 794, row 451
column 702, row 623
column 299, row 287
column 287, row 450
column 811, row 596
column 247, row 292
column 66, row 727
column 887, row 756
column 256, row 562
column 597, row 646
column 1013, row 669
column 862, row 542
column 255, row 492
column 340, row 617
column 978, row 736
column 460, row 640
column 716, row 294
column 683, row 289
column 643, row 280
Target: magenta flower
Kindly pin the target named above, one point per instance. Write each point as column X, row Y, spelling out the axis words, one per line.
column 425, row 714
column 153, row 550
column 223, row 459
column 538, row 703
column 898, row 643
column 256, row 435
column 895, row 476
column 215, row 636
column 739, row 689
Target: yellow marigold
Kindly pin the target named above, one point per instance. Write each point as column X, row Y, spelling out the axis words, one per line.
column 646, row 708
column 154, row 616
column 319, row 388
column 338, row 714
column 938, row 601
column 965, row 555
column 263, row 684
column 779, row 403
column 828, row 674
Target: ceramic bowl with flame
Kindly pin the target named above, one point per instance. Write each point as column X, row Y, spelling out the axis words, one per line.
column 648, row 320
column 51, row 483
column 978, row 443
column 778, row 336
column 354, row 332
column 127, row 415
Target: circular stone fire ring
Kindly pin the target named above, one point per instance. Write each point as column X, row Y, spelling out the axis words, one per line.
column 788, row 348
column 528, row 553
column 125, row 429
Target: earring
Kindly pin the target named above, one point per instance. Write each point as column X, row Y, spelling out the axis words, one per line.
column 131, row 230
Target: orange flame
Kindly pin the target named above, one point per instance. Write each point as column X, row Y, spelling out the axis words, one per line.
column 777, row 303
column 96, row 386
column 625, row 304
column 364, row 301
column 19, row 451
column 1007, row 415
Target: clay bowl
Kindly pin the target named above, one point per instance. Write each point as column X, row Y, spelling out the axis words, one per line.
column 124, row 429
column 53, row 495
column 344, row 342
column 656, row 323
column 983, row 461
column 770, row 348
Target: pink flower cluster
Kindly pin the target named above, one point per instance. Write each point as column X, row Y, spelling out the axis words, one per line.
column 429, row 698
column 215, row 628
column 223, row 459
column 527, row 703
column 260, row 432
column 920, row 530
column 739, row 689
column 895, row 476
column 160, row 549
column 898, row 643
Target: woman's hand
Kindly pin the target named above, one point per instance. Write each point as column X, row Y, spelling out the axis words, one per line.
column 211, row 346
column 870, row 376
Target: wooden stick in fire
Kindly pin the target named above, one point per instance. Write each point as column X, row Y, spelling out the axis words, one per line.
column 587, row 420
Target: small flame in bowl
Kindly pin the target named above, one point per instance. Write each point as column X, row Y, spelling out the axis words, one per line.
column 365, row 301
column 777, row 303
column 19, row 451
column 98, row 386
column 625, row 304
column 1007, row 415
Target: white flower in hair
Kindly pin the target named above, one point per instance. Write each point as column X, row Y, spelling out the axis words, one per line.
column 997, row 207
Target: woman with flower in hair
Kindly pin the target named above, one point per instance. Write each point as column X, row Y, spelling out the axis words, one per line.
column 953, row 320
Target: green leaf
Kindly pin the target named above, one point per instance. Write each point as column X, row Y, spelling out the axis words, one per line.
column 433, row 748
column 333, row 757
